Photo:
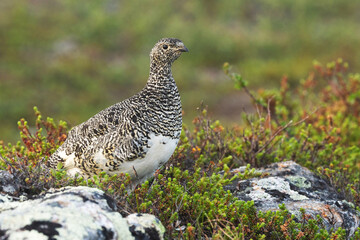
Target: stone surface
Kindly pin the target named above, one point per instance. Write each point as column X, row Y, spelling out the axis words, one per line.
column 8, row 183
column 73, row 213
column 145, row 226
column 297, row 187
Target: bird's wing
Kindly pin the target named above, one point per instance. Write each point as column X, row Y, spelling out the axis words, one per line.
column 110, row 134
column 111, row 150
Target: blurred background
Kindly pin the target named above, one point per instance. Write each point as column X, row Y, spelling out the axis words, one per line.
column 74, row 58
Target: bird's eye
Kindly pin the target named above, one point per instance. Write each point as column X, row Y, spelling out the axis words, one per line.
column 165, row 46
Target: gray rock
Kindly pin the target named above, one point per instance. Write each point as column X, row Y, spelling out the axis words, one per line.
column 72, row 213
column 297, row 187
column 145, row 226
column 8, row 183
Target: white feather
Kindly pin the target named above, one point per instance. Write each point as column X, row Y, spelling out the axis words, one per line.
column 160, row 150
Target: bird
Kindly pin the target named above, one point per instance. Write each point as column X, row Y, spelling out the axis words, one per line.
column 135, row 136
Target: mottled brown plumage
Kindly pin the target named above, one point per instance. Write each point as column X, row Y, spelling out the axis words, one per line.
column 135, row 136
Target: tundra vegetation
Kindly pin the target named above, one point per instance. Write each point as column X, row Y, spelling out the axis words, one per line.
column 315, row 123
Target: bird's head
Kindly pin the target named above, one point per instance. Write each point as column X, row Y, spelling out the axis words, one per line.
column 167, row 50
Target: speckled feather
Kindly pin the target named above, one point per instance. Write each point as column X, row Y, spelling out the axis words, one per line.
column 135, row 136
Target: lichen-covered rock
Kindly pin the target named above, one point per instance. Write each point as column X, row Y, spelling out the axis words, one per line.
column 297, row 187
column 8, row 183
column 68, row 213
column 145, row 226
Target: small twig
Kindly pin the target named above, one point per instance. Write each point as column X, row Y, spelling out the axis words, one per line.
column 273, row 136
column 280, row 130
column 252, row 96
column 217, row 220
column 269, row 113
column 136, row 175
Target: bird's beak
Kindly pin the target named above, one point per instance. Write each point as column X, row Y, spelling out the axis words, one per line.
column 183, row 49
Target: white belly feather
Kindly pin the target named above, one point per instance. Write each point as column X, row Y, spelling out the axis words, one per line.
column 161, row 149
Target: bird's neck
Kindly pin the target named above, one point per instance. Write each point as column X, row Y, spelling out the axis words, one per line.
column 160, row 74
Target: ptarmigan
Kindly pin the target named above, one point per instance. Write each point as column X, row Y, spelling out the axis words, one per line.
column 135, row 136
